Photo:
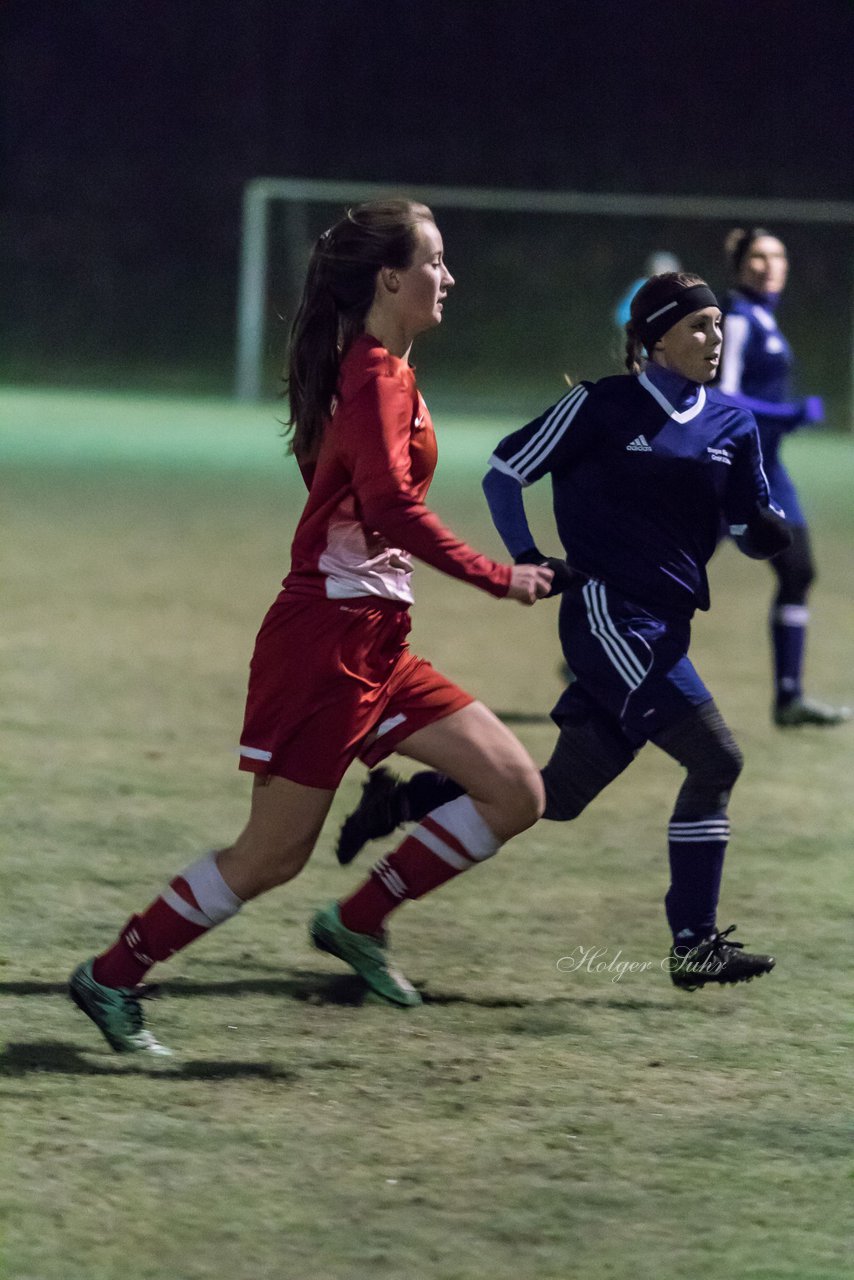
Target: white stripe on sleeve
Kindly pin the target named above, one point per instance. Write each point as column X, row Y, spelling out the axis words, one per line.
column 500, row 465
column 550, row 432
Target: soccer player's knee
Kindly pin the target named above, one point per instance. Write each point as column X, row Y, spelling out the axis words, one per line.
column 795, row 587
column 737, row 760
column 708, row 787
column 524, row 797
column 731, row 763
column 796, row 579
column 719, row 773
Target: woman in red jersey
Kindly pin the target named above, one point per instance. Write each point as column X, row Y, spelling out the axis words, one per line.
column 331, row 677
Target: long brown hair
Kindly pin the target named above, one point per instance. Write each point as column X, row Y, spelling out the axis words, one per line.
column 337, row 295
column 635, row 358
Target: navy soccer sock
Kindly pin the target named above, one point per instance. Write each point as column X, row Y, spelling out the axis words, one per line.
column 697, row 849
column 788, row 641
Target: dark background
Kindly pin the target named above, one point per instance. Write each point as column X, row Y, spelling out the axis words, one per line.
column 130, row 128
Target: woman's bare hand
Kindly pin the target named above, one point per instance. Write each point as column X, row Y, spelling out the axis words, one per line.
column 529, row 583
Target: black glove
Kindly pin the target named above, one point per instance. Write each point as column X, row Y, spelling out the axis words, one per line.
column 563, row 576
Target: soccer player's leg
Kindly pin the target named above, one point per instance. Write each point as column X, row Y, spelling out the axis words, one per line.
column 418, row 696
column 502, row 794
column 284, row 823
column 591, row 751
column 795, row 573
column 697, row 836
column 296, row 740
column 387, row 802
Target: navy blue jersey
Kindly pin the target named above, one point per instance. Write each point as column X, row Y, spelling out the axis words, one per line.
column 756, row 374
column 639, row 485
column 756, row 367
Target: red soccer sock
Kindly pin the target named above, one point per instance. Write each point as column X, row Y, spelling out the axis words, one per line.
column 448, row 841
column 155, row 935
column 194, row 902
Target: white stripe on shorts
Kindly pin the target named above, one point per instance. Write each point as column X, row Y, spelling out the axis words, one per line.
column 391, row 723
column 620, row 653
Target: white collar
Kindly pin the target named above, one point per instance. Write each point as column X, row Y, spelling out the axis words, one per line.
column 687, row 414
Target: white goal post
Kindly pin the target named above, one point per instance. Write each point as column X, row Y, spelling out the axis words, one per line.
column 297, row 193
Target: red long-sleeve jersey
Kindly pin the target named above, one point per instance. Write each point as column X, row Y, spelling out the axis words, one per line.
column 365, row 513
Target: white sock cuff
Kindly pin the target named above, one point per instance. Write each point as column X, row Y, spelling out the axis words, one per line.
column 461, row 820
column 791, row 615
column 211, row 892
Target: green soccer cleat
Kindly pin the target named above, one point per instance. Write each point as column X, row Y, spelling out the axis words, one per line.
column 116, row 1012
column 802, row 711
column 364, row 953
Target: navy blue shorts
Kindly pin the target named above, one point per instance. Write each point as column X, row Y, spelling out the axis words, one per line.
column 627, row 661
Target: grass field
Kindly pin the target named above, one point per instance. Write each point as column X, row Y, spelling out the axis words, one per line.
column 526, row 1123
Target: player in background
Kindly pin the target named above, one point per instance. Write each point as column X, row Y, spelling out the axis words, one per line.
column 331, row 676
column 642, row 468
column 755, row 374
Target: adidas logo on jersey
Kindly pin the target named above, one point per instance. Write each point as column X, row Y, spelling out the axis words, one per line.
column 640, row 444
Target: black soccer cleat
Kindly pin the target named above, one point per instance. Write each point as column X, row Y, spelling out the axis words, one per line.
column 715, row 959
column 379, row 811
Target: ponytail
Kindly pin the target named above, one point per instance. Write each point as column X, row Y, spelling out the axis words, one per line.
column 634, row 360
column 314, row 358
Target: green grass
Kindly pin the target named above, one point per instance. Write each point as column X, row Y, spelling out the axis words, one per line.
column 525, row 1122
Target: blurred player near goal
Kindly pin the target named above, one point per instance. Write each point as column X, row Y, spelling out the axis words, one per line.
column 642, row 467
column 755, row 374
column 331, row 677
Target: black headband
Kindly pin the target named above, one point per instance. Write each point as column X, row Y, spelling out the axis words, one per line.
column 666, row 312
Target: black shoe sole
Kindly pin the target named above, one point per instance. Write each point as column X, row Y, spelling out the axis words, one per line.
column 719, row 982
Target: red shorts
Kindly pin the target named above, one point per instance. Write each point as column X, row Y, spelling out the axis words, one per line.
column 326, row 675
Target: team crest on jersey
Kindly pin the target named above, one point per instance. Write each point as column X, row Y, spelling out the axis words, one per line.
column 720, row 455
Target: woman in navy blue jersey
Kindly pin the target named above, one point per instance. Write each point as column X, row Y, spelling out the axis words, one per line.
column 755, row 374
column 642, row 467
